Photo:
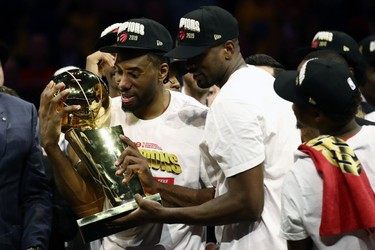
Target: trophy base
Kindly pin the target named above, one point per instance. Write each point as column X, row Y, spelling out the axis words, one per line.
column 95, row 226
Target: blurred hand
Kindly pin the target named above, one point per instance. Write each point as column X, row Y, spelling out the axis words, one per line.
column 98, row 61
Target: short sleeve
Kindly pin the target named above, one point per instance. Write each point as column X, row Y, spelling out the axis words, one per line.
column 292, row 227
column 235, row 138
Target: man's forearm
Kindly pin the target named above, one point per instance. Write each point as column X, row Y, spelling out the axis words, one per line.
column 178, row 196
column 78, row 192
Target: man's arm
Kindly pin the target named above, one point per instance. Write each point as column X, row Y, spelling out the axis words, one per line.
column 179, row 196
column 243, row 202
column 83, row 196
column 98, row 60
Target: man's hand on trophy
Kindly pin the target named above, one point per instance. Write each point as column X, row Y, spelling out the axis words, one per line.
column 148, row 211
column 51, row 112
column 131, row 162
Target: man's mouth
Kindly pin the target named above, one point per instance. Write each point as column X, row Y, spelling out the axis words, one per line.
column 127, row 98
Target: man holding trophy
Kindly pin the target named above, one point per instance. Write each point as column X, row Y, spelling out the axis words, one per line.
column 162, row 130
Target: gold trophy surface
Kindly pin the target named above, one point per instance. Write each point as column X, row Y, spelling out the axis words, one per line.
column 98, row 146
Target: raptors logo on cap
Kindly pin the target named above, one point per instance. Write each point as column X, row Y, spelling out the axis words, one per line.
column 123, row 37
column 182, row 34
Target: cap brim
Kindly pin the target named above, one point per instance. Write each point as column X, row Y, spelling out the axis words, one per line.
column 117, row 49
column 106, row 40
column 285, row 87
column 111, row 49
column 178, row 66
column 186, row 52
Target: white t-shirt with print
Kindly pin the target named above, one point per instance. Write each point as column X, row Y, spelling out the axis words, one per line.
column 171, row 143
column 302, row 198
column 248, row 124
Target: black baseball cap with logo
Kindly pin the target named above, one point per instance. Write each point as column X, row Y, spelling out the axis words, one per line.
column 325, row 85
column 200, row 29
column 341, row 43
column 337, row 41
column 141, row 34
column 367, row 48
column 108, row 36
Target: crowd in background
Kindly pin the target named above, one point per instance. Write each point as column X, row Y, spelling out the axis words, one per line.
column 46, row 35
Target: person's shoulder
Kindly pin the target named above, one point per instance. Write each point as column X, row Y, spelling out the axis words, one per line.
column 187, row 101
column 252, row 74
column 14, row 101
column 366, row 130
column 364, row 122
column 254, row 71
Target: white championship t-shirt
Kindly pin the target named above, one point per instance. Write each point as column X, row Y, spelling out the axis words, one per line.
column 248, row 123
column 171, row 143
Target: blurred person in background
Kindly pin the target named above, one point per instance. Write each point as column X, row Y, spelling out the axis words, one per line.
column 191, row 88
column 266, row 62
column 367, row 48
column 211, row 95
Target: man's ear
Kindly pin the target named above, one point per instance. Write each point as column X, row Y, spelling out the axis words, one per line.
column 317, row 116
column 228, row 49
column 163, row 72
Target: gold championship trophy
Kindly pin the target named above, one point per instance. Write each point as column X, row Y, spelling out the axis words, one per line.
column 98, row 146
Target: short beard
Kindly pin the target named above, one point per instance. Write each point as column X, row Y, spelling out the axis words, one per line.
column 130, row 109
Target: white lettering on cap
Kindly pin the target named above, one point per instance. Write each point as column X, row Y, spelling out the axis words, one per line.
column 190, row 24
column 323, row 35
column 133, row 27
column 372, row 46
column 302, row 72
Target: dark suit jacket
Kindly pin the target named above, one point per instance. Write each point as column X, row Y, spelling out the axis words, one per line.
column 25, row 197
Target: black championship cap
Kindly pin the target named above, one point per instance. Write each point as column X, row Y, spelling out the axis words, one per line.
column 142, row 34
column 3, row 53
column 337, row 41
column 322, row 84
column 108, row 36
column 201, row 29
column 367, row 48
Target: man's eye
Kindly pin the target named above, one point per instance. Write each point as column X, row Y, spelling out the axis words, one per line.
column 133, row 74
column 114, row 72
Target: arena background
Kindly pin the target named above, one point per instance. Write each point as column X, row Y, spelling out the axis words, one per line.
column 44, row 35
